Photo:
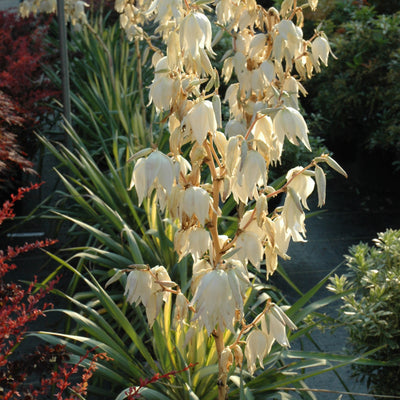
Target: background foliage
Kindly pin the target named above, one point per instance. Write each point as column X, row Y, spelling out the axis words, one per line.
column 370, row 311
column 357, row 95
column 24, row 90
column 109, row 125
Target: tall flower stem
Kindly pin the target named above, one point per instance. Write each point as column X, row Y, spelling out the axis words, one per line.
column 218, row 335
column 213, row 226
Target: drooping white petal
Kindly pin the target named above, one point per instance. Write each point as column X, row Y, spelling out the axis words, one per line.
column 258, row 345
column 302, row 184
column 290, row 123
column 196, row 201
column 200, row 268
column 138, row 286
column 165, row 173
column 268, row 70
column 163, row 91
column 201, row 120
column 254, row 171
column 320, row 49
column 181, row 309
column 294, row 219
column 215, row 301
column 250, row 248
column 282, row 236
column 320, row 179
column 199, row 242
column 139, row 180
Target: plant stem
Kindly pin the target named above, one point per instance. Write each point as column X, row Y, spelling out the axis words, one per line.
column 222, row 375
column 213, row 226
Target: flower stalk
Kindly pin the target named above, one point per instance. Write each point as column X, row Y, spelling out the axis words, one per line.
column 229, row 158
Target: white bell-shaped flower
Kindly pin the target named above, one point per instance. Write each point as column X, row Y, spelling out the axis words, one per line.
column 294, row 219
column 165, row 10
column 288, row 37
column 195, row 37
column 263, row 131
column 155, row 170
column 215, row 301
column 195, row 241
column 201, row 120
column 249, row 248
column 290, row 123
column 274, row 324
column 163, row 92
column 258, row 345
column 298, row 190
column 199, row 242
column 196, row 202
column 320, row 49
column 138, row 286
column 253, row 174
column 225, row 11
column 302, row 184
column 142, row 287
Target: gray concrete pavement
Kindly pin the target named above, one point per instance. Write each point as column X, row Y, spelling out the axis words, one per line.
column 9, row 5
column 347, row 219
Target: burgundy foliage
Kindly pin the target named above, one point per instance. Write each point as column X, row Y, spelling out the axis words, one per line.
column 24, row 91
column 42, row 371
column 134, row 392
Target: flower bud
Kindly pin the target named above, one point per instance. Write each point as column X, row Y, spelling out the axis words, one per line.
column 238, row 354
column 226, row 359
column 320, row 178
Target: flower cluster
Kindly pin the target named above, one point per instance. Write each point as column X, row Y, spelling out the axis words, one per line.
column 74, row 9
column 262, row 71
column 262, row 74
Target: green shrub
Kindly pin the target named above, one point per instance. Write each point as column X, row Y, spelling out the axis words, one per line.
column 358, row 95
column 371, row 311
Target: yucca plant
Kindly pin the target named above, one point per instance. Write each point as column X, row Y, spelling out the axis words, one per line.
column 104, row 319
column 120, row 238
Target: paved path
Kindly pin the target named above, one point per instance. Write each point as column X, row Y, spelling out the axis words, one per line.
column 348, row 219
column 9, row 5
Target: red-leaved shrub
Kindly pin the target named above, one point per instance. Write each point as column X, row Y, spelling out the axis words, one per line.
column 35, row 374
column 24, row 91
